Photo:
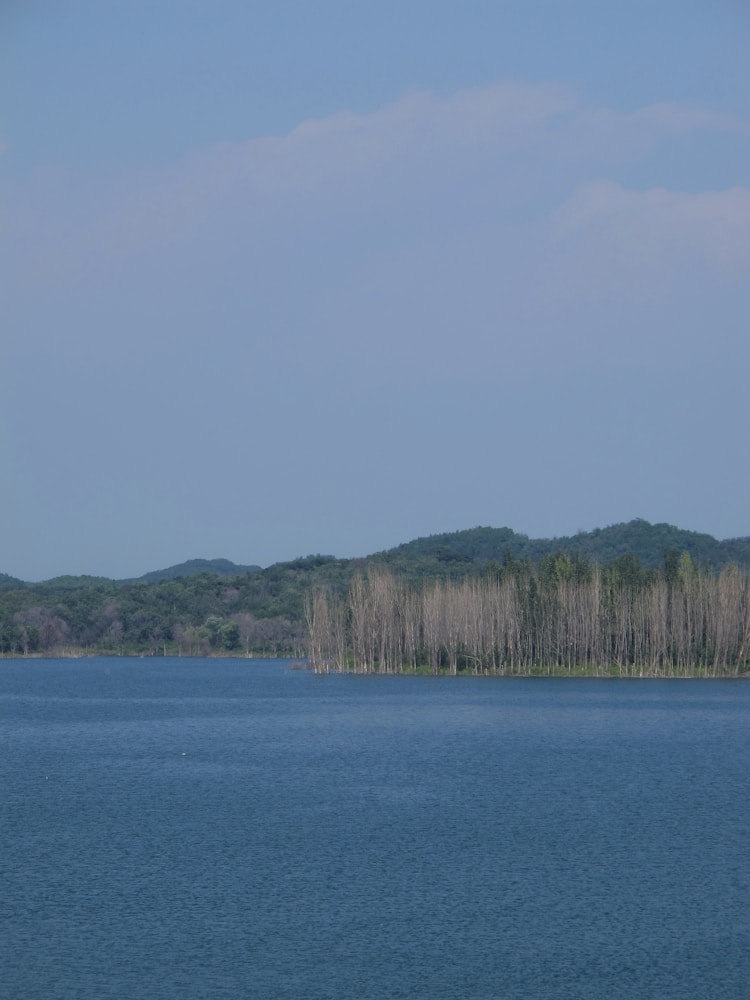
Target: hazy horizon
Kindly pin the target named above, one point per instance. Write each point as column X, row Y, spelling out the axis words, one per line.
column 358, row 555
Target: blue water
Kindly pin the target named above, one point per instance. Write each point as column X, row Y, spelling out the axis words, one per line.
column 235, row 828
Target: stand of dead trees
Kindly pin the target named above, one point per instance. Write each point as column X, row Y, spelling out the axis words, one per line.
column 564, row 616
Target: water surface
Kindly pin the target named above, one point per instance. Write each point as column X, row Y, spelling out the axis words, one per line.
column 178, row 828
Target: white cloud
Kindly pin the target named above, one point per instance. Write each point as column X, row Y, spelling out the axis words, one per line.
column 492, row 209
column 421, row 128
column 652, row 232
column 416, row 126
column 676, row 118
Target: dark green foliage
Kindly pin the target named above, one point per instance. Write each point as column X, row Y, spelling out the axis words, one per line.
column 214, row 606
column 647, row 542
column 229, row 635
column 67, row 583
column 193, row 567
column 625, row 570
column 192, row 614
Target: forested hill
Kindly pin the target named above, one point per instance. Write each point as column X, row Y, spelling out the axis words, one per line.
column 193, row 567
column 216, row 567
column 205, row 606
column 457, row 552
column 478, row 547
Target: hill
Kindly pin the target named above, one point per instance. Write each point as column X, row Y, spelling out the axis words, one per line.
column 215, row 567
column 202, row 606
column 477, row 547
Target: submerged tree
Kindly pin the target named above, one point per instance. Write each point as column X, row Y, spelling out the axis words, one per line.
column 560, row 617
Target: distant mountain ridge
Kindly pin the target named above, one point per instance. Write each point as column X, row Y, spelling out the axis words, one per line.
column 215, row 567
column 469, row 549
column 647, row 542
column 214, row 606
column 192, row 567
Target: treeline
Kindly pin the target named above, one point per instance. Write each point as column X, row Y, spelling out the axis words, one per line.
column 212, row 607
column 477, row 548
column 198, row 615
column 562, row 616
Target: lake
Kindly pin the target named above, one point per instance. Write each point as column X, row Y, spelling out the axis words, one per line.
column 190, row 828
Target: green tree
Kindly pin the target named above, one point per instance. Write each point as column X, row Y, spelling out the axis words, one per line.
column 229, row 635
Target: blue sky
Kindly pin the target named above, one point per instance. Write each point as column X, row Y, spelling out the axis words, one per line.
column 324, row 277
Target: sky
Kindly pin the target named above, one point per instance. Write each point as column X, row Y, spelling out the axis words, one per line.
column 323, row 277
